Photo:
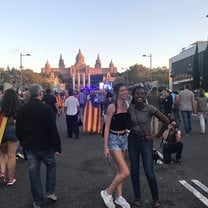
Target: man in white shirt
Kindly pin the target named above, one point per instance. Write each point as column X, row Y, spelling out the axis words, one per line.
column 72, row 111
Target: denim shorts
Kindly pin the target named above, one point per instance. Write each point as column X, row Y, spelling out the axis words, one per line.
column 9, row 135
column 117, row 142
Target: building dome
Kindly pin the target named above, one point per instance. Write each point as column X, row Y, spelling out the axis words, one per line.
column 80, row 58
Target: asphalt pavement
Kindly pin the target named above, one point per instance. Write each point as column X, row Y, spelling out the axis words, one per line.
column 82, row 172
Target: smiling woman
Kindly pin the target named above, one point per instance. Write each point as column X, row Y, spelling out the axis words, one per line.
column 115, row 145
column 140, row 142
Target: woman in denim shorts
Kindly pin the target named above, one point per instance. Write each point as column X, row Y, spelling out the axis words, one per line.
column 8, row 147
column 115, row 144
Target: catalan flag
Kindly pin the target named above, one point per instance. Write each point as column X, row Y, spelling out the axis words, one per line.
column 92, row 118
column 3, row 122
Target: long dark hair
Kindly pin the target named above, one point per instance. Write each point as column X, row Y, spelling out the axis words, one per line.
column 10, row 103
column 116, row 89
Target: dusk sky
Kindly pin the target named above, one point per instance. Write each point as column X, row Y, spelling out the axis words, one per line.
column 120, row 30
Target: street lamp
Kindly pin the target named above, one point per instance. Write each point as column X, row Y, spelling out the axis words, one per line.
column 21, row 67
column 150, row 56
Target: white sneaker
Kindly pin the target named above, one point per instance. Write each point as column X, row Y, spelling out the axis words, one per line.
column 122, row 202
column 52, row 197
column 35, row 206
column 108, row 199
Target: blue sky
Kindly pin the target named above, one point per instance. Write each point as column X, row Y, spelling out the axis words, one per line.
column 121, row 30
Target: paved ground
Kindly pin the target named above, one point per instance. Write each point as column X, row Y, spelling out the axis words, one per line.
column 82, row 173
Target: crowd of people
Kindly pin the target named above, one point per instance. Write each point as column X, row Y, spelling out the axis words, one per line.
column 132, row 121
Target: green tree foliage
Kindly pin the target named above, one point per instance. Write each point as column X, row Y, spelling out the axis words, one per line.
column 139, row 73
column 196, row 71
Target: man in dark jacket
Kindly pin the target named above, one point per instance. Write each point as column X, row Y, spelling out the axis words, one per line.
column 37, row 132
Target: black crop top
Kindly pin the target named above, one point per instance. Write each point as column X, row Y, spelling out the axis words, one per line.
column 120, row 121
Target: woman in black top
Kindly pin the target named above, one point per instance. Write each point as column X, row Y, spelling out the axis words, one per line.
column 140, row 143
column 10, row 106
column 115, row 144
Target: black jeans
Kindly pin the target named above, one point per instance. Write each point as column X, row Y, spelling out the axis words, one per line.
column 168, row 149
column 72, row 125
column 138, row 146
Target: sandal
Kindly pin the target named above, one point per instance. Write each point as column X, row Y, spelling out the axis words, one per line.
column 157, row 204
column 136, row 204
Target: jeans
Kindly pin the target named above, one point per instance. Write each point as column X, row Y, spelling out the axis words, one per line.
column 139, row 146
column 187, row 121
column 202, row 116
column 34, row 163
column 168, row 149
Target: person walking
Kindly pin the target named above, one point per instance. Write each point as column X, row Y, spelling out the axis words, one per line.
column 140, row 142
column 186, row 103
column 72, row 112
column 154, row 99
column 167, row 103
column 37, row 132
column 8, row 147
column 82, row 98
column 115, row 144
column 202, row 108
column 50, row 99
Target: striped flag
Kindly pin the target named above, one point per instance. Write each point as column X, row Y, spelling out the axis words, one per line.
column 92, row 118
column 3, row 122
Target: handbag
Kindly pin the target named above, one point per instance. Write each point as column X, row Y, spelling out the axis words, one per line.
column 80, row 122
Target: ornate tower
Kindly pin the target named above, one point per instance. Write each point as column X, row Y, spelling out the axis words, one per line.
column 47, row 67
column 61, row 62
column 98, row 62
column 80, row 58
column 112, row 68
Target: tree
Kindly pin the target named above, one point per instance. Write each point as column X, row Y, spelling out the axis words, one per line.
column 205, row 70
column 196, row 71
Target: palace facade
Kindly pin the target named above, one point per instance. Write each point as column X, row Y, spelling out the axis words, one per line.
column 81, row 74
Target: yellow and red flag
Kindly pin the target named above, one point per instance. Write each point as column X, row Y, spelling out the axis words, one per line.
column 92, row 118
column 3, row 122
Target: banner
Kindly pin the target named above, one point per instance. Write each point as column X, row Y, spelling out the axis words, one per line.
column 92, row 118
column 3, row 122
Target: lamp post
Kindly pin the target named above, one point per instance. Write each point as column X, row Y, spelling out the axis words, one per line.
column 21, row 67
column 150, row 57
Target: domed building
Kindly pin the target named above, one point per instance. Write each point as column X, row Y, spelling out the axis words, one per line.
column 82, row 75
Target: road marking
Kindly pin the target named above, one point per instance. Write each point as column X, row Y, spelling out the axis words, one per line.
column 200, row 185
column 196, row 193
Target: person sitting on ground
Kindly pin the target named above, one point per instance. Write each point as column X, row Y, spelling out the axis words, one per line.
column 172, row 143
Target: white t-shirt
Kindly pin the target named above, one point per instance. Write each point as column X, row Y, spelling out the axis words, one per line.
column 72, row 104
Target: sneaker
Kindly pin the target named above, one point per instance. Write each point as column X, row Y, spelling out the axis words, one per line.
column 20, row 155
column 11, row 181
column 122, row 202
column 52, row 197
column 179, row 160
column 108, row 199
column 35, row 206
column 2, row 177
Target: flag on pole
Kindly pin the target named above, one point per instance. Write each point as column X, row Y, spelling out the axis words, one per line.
column 3, row 122
column 92, row 118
